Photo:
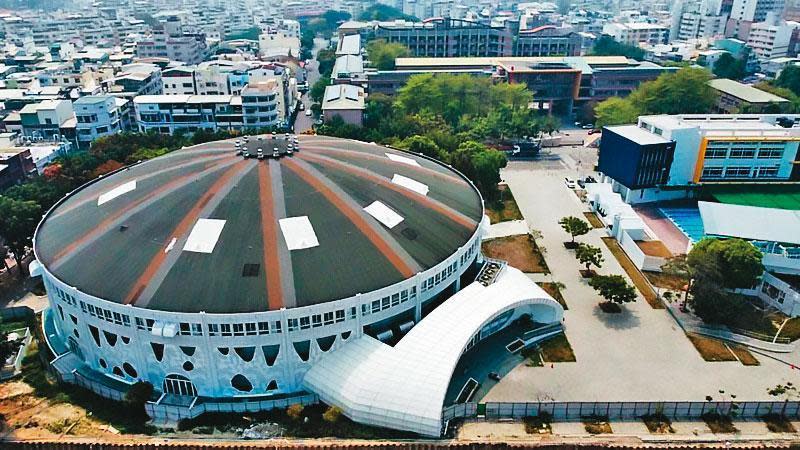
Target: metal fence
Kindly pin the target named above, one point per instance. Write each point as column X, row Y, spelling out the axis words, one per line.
column 567, row 411
column 97, row 387
column 166, row 413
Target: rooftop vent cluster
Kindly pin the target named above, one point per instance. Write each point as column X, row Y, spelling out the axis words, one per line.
column 272, row 146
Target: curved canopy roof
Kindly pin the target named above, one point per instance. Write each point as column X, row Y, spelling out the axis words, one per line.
column 202, row 229
column 404, row 387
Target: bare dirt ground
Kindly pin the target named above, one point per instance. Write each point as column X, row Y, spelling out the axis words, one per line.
column 26, row 416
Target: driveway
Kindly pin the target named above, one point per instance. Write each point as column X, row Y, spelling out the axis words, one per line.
column 640, row 354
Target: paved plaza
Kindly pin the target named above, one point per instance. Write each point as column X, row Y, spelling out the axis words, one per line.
column 640, row 354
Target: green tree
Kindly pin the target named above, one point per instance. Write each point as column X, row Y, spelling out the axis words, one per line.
column 317, row 90
column 138, row 394
column 326, row 58
column 717, row 267
column 589, row 255
column 18, row 220
column 381, row 12
column 606, row 46
column 729, row 67
column 382, row 54
column 683, row 92
column 424, row 145
column 615, row 111
column 740, row 259
column 481, row 165
column 613, row 288
column 789, row 78
column 575, row 226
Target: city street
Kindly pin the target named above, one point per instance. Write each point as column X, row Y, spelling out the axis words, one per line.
column 303, row 122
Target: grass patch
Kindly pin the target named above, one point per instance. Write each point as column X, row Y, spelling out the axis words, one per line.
column 777, row 423
column 554, row 290
column 504, row 208
column 744, row 355
column 557, row 349
column 593, row 220
column 791, row 329
column 658, row 424
column 633, row 272
column 711, row 349
column 597, row 425
column 719, row 423
column 7, row 327
column 519, row 251
column 310, row 424
column 538, row 424
column 664, row 280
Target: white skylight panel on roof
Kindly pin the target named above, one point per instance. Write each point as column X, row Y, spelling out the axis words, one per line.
column 116, row 192
column 298, row 233
column 411, row 184
column 383, row 214
column 402, row 159
column 204, row 236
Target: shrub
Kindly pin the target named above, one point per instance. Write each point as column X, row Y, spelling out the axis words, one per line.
column 295, row 412
column 332, row 414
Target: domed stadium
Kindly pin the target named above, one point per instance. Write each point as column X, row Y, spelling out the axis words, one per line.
column 227, row 270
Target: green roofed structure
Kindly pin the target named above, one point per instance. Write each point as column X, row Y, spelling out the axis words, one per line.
column 782, row 196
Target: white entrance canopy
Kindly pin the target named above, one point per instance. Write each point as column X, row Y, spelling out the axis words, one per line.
column 750, row 222
column 403, row 387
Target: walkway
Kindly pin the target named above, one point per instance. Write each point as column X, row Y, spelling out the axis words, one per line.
column 509, row 228
column 640, row 354
column 667, row 232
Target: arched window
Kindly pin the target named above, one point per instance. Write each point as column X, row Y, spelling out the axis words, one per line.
column 179, row 385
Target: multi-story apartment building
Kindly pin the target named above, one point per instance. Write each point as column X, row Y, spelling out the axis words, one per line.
column 179, row 81
column 440, row 37
column 264, row 104
column 633, row 33
column 698, row 20
column 15, row 166
column 168, row 113
column 48, row 120
column 668, row 157
column 744, row 13
column 278, row 42
column 136, row 79
column 548, row 40
column 170, row 41
column 772, row 38
column 100, row 115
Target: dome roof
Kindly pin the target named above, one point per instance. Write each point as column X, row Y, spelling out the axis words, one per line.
column 205, row 229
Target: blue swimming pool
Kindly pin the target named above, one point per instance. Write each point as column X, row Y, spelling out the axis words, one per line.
column 687, row 219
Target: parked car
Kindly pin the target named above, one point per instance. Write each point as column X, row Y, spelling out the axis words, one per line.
column 588, row 126
column 308, row 113
column 494, row 376
column 590, row 179
column 302, row 106
column 581, row 183
column 593, row 131
column 570, row 183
